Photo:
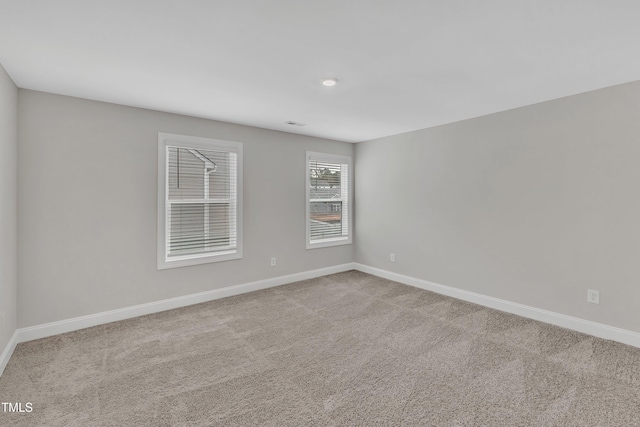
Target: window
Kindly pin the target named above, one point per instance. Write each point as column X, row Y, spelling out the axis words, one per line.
column 328, row 200
column 199, row 200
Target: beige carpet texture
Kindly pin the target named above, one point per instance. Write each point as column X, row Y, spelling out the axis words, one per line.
column 348, row 349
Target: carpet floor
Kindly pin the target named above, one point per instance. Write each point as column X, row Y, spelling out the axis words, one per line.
column 348, row 349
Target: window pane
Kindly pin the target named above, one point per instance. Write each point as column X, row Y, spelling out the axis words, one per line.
column 324, row 180
column 199, row 228
column 219, row 180
column 187, row 229
column 325, row 219
column 186, row 175
column 191, row 171
column 219, row 233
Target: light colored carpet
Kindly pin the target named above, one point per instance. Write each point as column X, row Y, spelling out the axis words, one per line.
column 343, row 350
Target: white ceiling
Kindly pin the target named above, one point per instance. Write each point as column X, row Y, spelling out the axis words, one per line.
column 402, row 64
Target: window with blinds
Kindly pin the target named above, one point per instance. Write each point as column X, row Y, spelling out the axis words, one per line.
column 328, row 200
column 199, row 202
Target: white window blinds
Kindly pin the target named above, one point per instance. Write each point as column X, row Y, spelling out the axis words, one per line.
column 328, row 200
column 200, row 203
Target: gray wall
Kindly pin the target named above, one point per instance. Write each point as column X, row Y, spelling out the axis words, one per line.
column 8, row 206
column 87, row 183
column 533, row 205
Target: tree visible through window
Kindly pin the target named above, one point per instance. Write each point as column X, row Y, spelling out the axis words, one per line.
column 327, row 200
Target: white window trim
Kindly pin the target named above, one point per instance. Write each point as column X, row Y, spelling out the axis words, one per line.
column 332, row 241
column 167, row 139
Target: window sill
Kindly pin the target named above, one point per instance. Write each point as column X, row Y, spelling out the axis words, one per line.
column 199, row 259
column 325, row 243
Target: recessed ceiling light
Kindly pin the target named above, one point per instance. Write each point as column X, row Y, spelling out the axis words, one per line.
column 331, row 81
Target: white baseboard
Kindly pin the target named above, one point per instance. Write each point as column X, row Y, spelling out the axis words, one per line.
column 74, row 324
column 8, row 351
column 69, row 325
column 585, row 326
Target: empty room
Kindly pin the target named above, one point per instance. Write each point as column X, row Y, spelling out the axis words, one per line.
column 336, row 213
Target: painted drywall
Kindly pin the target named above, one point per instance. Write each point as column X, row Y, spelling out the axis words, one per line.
column 8, row 206
column 534, row 205
column 87, row 180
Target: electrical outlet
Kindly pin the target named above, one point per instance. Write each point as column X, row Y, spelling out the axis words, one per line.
column 273, row 261
column 593, row 296
column 392, row 257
